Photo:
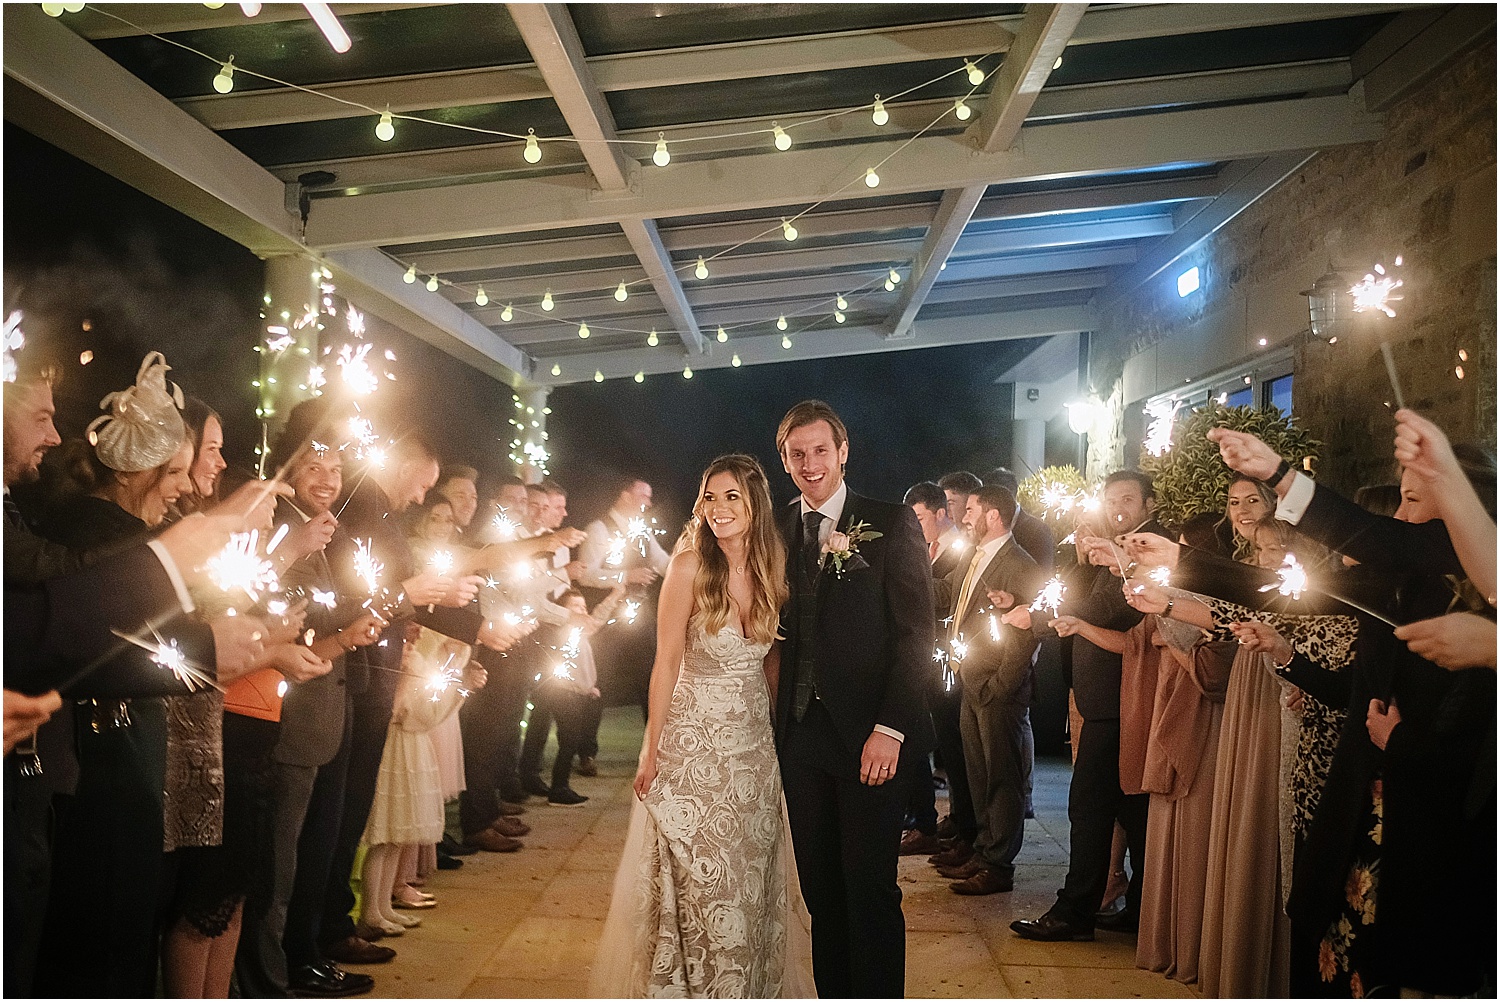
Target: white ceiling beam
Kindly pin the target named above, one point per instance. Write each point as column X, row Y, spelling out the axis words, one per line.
column 1241, row 83
column 1020, row 285
column 62, row 89
column 763, row 349
column 517, row 254
column 552, row 38
column 167, row 18
column 1425, row 54
column 1044, row 34
column 1054, row 231
column 1040, row 262
column 953, row 214
column 806, row 175
column 1130, row 21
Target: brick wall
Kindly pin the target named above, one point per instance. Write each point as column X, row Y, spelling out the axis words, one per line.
column 1425, row 191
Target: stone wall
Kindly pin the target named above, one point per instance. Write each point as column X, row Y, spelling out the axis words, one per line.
column 1425, row 191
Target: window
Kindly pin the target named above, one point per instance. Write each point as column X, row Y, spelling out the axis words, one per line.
column 1278, row 393
column 1243, row 397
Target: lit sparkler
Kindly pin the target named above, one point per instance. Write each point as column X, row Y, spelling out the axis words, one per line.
column 358, row 375
column 1377, row 293
column 280, row 535
column 442, row 677
column 994, row 628
column 569, row 651
column 616, row 555
column 520, row 572
column 1161, row 575
column 1159, row 431
column 632, row 609
column 958, row 649
column 239, row 567
column 941, row 657
column 366, row 567
column 356, row 321
column 441, row 562
column 1050, row 597
column 168, row 655
column 315, row 378
column 1292, row 578
column 280, row 340
column 324, row 598
column 505, row 526
column 14, row 341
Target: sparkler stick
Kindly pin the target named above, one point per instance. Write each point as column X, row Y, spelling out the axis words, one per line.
column 168, row 655
column 1050, row 597
column 1375, row 295
column 1390, row 370
column 366, row 567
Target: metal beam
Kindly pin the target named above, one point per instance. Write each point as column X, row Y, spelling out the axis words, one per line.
column 166, row 18
column 1061, row 231
column 1068, row 259
column 516, row 254
column 1249, row 187
column 1242, row 83
column 953, row 215
column 1043, row 36
column 807, row 175
column 654, row 258
column 821, row 343
column 1426, row 54
column 1124, row 22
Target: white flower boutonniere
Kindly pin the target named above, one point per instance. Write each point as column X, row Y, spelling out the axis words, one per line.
column 842, row 548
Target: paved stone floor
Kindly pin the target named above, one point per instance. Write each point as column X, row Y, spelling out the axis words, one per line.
column 524, row 925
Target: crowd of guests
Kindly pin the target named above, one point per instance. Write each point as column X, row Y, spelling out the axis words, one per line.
column 1303, row 780
column 201, row 766
column 214, row 737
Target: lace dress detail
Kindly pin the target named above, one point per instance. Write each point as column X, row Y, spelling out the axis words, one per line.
column 703, row 885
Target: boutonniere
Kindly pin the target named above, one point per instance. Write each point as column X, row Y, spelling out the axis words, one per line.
column 842, row 548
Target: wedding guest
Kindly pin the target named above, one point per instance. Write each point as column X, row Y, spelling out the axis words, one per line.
column 1095, row 798
column 206, row 432
column 957, row 486
column 1032, row 534
column 459, row 485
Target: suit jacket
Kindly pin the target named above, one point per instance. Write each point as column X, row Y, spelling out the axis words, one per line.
column 874, row 639
column 994, row 670
column 1035, row 537
column 949, row 557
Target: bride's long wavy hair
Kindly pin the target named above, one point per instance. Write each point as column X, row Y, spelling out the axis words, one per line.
column 765, row 558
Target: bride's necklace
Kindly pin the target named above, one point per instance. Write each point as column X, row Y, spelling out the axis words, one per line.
column 738, row 570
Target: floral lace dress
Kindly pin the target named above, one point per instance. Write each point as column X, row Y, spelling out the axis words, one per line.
column 706, row 889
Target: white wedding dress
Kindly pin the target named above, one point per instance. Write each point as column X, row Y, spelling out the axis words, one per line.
column 706, row 901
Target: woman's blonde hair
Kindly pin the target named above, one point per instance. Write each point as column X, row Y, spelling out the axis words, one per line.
column 1245, row 550
column 765, row 558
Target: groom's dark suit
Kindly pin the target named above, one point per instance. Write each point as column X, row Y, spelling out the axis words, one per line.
column 866, row 638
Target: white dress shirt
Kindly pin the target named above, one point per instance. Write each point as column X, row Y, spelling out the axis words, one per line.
column 1292, row 507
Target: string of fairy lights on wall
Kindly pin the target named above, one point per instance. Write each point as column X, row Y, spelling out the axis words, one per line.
column 780, row 137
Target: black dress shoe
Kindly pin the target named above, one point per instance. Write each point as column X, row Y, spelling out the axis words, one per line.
column 1122, row 920
column 534, row 784
column 452, row 848
column 327, row 981
column 1051, row 929
column 447, row 862
column 353, row 950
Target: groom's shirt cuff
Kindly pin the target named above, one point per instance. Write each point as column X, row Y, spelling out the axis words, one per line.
column 890, row 732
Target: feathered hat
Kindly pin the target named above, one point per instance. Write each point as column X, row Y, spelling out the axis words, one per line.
column 143, row 427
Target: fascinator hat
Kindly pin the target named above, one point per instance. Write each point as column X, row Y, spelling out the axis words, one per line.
column 142, row 428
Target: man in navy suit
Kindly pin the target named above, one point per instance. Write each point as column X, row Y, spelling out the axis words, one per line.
column 851, row 719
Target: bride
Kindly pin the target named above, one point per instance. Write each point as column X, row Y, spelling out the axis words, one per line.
column 706, row 901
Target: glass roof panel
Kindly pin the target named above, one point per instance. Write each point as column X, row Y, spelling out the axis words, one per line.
column 610, row 28
column 387, row 43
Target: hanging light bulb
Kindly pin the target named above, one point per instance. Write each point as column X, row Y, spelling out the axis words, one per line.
column 583, row 331
column 621, row 293
column 783, row 141
column 735, row 361
column 556, row 369
column 640, row 377
column 842, row 303
column 872, row 179
column 661, row 157
column 838, row 316
column 701, row 271
column 781, row 322
column 410, row 276
column 432, row 283
column 210, row 4
column 880, row 116
column 598, row 376
column 786, row 342
column 722, row 336
column 788, row 230
column 533, row 151
column 961, row 110
column 480, row 299
column 976, row 75
column 889, row 285
column 547, row 303
column 224, row 79
column 652, row 339
column 508, row 314
column 687, row 372
column 895, row 277
column 385, row 129
column 56, row 9
column 1057, row 63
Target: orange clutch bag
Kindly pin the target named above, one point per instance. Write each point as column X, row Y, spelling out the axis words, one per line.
column 257, row 695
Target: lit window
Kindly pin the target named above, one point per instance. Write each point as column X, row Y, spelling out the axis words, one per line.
column 1278, row 393
column 1187, row 282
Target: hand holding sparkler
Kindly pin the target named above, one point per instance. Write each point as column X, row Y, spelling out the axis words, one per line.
column 1151, row 549
column 1051, row 596
column 239, row 567
column 239, row 642
column 1000, row 598
column 25, row 714
column 284, row 622
column 1145, row 596
column 1422, row 448
column 1067, row 626
column 1262, row 638
column 310, row 537
column 1243, row 453
column 254, row 503
column 1455, row 641
column 475, row 677
column 296, row 662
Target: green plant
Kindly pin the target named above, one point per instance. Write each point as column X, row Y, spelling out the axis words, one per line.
column 1029, row 491
column 1191, row 478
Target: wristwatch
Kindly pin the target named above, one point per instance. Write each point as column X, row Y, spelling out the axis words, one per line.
column 1167, row 612
column 1281, row 470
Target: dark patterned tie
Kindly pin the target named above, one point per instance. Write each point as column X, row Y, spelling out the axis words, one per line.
column 13, row 517
column 812, row 548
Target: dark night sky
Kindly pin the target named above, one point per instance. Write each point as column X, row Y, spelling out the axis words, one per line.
column 82, row 246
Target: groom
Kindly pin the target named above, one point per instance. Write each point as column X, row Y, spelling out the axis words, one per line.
column 851, row 717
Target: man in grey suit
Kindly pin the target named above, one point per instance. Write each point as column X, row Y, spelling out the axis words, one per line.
column 994, row 660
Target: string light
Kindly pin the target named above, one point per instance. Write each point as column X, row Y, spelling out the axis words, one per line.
column 781, row 322
column 410, row 276
column 962, row 110
column 385, row 129
column 783, row 141
column 598, row 376
column 1057, row 63
column 839, row 317
column 621, row 293
column 224, row 80
column 640, row 377
column 507, row 314
column 556, row 369
column 735, row 361
column 661, row 157
column 879, row 115
column 547, row 303
column 701, row 270
column 722, row 336
column 480, row 299
column 687, row 372
column 652, row 339
column 976, row 75
column 788, row 231
column 872, row 179
column 583, row 331
column 533, row 151
column 786, row 342
column 432, row 283
column 895, row 277
column 842, row 303
column 889, row 285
